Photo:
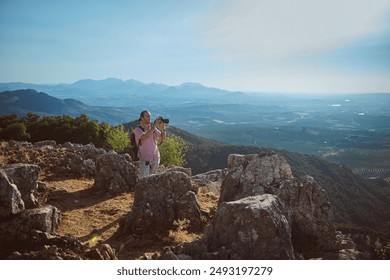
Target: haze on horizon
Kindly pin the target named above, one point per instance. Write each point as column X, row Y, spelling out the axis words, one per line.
column 332, row 46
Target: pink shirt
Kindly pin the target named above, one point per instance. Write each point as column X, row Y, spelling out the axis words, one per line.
column 147, row 150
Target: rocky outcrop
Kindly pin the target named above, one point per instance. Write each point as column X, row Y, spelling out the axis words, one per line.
column 25, row 176
column 187, row 171
column 17, row 232
column 45, row 219
column 313, row 224
column 263, row 213
column 62, row 159
column 11, row 201
column 255, row 227
column 210, row 181
column 30, row 233
column 266, row 213
column 253, row 175
column 115, row 173
column 159, row 201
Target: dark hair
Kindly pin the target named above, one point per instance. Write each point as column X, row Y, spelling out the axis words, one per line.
column 142, row 114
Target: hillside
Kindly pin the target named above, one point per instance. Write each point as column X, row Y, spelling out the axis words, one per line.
column 21, row 102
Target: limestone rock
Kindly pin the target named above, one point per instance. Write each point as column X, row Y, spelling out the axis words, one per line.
column 45, row 219
column 210, row 181
column 187, row 171
column 162, row 199
column 313, row 226
column 257, row 227
column 10, row 198
column 300, row 207
column 25, row 177
column 18, row 231
column 251, row 175
column 115, row 173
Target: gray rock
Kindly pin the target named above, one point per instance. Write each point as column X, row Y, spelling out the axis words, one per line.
column 10, row 198
column 115, row 173
column 313, row 226
column 25, row 177
column 210, row 181
column 300, row 205
column 45, row 219
column 187, row 171
column 18, row 232
column 251, row 174
column 44, row 143
column 257, row 227
column 160, row 200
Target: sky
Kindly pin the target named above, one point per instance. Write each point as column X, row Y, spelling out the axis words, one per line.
column 305, row 46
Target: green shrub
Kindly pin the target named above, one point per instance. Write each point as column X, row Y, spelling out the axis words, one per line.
column 172, row 151
column 63, row 129
column 15, row 131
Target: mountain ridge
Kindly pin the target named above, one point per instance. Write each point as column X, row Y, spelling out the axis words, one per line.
column 116, row 92
column 21, row 102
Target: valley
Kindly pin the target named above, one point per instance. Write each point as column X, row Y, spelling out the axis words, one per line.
column 349, row 129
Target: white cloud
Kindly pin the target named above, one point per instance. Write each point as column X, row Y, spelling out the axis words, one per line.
column 258, row 28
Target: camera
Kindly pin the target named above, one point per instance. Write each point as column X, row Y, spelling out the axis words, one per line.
column 166, row 121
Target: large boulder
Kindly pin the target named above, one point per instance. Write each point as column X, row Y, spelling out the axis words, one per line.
column 256, row 227
column 313, row 226
column 25, row 177
column 45, row 219
column 251, row 175
column 10, row 198
column 210, row 181
column 160, row 200
column 115, row 173
column 185, row 170
column 17, row 233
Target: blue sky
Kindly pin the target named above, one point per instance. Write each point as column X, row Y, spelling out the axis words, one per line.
column 248, row 45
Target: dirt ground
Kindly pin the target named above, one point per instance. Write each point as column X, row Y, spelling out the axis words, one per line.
column 94, row 218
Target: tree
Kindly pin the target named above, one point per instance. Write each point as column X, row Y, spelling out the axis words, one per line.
column 172, row 151
column 15, row 131
column 87, row 131
column 63, row 129
column 118, row 139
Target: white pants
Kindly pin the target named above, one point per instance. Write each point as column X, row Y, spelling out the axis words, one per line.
column 147, row 168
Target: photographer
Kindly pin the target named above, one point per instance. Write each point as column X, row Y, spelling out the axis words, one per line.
column 146, row 135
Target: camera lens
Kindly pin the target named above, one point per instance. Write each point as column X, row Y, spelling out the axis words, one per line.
column 166, row 121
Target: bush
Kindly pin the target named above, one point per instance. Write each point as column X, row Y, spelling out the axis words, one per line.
column 15, row 131
column 63, row 129
column 118, row 139
column 172, row 151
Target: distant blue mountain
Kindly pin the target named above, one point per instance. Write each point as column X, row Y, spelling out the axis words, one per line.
column 116, row 92
column 21, row 102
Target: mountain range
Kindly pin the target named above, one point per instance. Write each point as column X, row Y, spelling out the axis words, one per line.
column 118, row 93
